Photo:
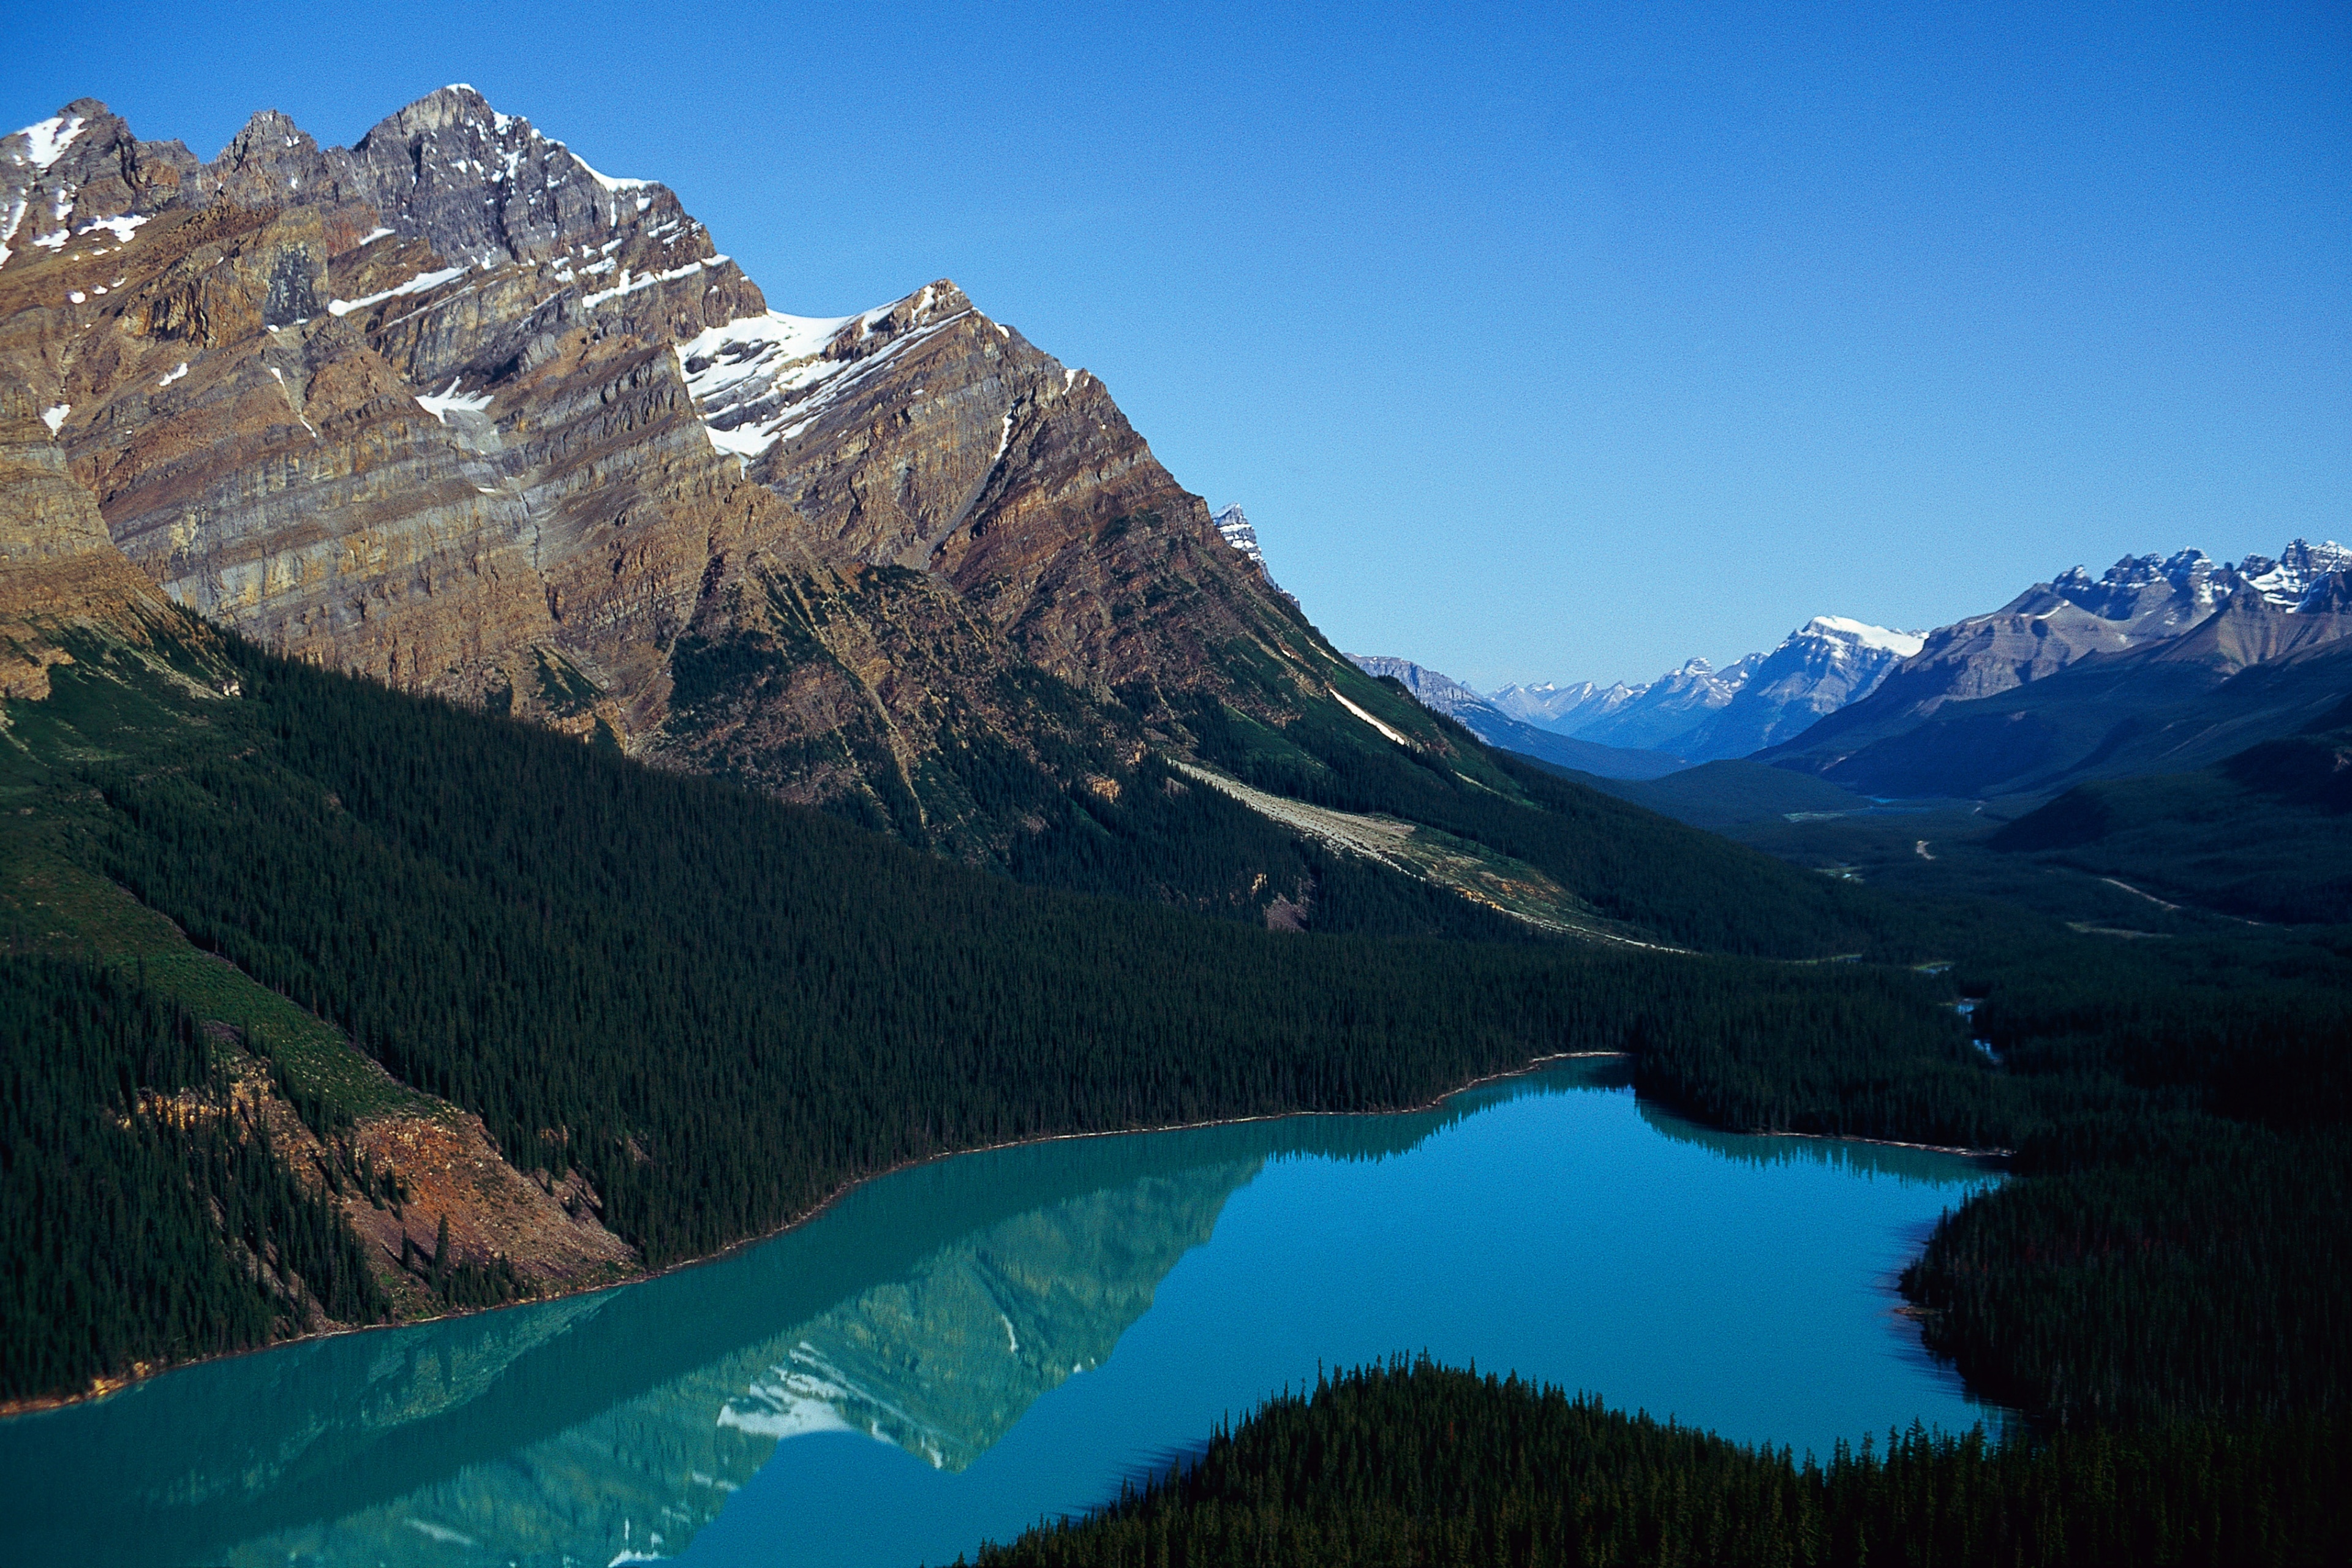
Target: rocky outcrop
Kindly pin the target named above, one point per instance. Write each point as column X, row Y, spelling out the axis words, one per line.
column 452, row 409
column 1236, row 529
column 59, row 571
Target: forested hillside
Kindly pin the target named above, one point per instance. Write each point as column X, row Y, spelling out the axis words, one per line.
column 718, row 1009
column 1426, row 1465
column 2266, row 833
column 144, row 1213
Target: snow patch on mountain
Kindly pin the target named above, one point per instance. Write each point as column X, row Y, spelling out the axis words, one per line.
column 1903, row 645
column 45, row 140
column 2289, row 579
column 1233, row 527
column 416, row 285
column 449, row 400
column 1388, row 730
column 607, row 181
column 764, row 379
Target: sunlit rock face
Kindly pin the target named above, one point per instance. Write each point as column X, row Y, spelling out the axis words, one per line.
column 452, row 408
column 2087, row 676
column 2136, row 604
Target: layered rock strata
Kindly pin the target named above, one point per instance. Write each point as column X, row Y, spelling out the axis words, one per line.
column 455, row 410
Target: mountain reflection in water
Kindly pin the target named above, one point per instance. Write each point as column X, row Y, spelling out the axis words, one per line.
column 929, row 1310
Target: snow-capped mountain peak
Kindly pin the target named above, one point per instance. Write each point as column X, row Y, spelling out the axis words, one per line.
column 2292, row 575
column 1699, row 711
column 1901, row 645
column 1233, row 527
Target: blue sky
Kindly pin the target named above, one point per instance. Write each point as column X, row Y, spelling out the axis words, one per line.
column 1539, row 342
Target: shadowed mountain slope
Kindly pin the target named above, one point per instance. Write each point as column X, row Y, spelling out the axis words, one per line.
column 2180, row 704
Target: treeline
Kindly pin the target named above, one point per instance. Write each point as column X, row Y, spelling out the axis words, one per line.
column 2182, row 1194
column 142, row 1218
column 722, row 1007
column 1426, row 1464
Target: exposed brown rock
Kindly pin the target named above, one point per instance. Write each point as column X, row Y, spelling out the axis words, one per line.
column 58, row 569
column 421, row 409
column 551, row 1235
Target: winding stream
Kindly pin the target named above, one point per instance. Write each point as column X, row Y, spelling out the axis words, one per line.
column 954, row 1350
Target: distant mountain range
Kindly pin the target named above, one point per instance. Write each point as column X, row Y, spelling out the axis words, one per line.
column 2157, row 665
column 1706, row 714
column 1442, row 694
column 1695, row 713
column 2148, row 666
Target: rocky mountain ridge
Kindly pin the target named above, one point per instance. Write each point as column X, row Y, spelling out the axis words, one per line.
column 2139, row 602
column 2157, row 665
column 1876, row 681
column 1706, row 714
column 1236, row 529
column 451, row 408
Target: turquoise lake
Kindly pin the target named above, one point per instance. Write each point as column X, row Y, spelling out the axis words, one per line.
column 953, row 1351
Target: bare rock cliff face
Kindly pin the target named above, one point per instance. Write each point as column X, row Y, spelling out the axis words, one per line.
column 58, row 569
column 455, row 410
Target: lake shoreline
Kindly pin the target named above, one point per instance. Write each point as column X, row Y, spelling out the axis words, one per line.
column 109, row 1387
column 106, row 1388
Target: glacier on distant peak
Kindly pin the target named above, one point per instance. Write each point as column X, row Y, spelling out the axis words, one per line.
column 1233, row 526
column 1903, row 645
